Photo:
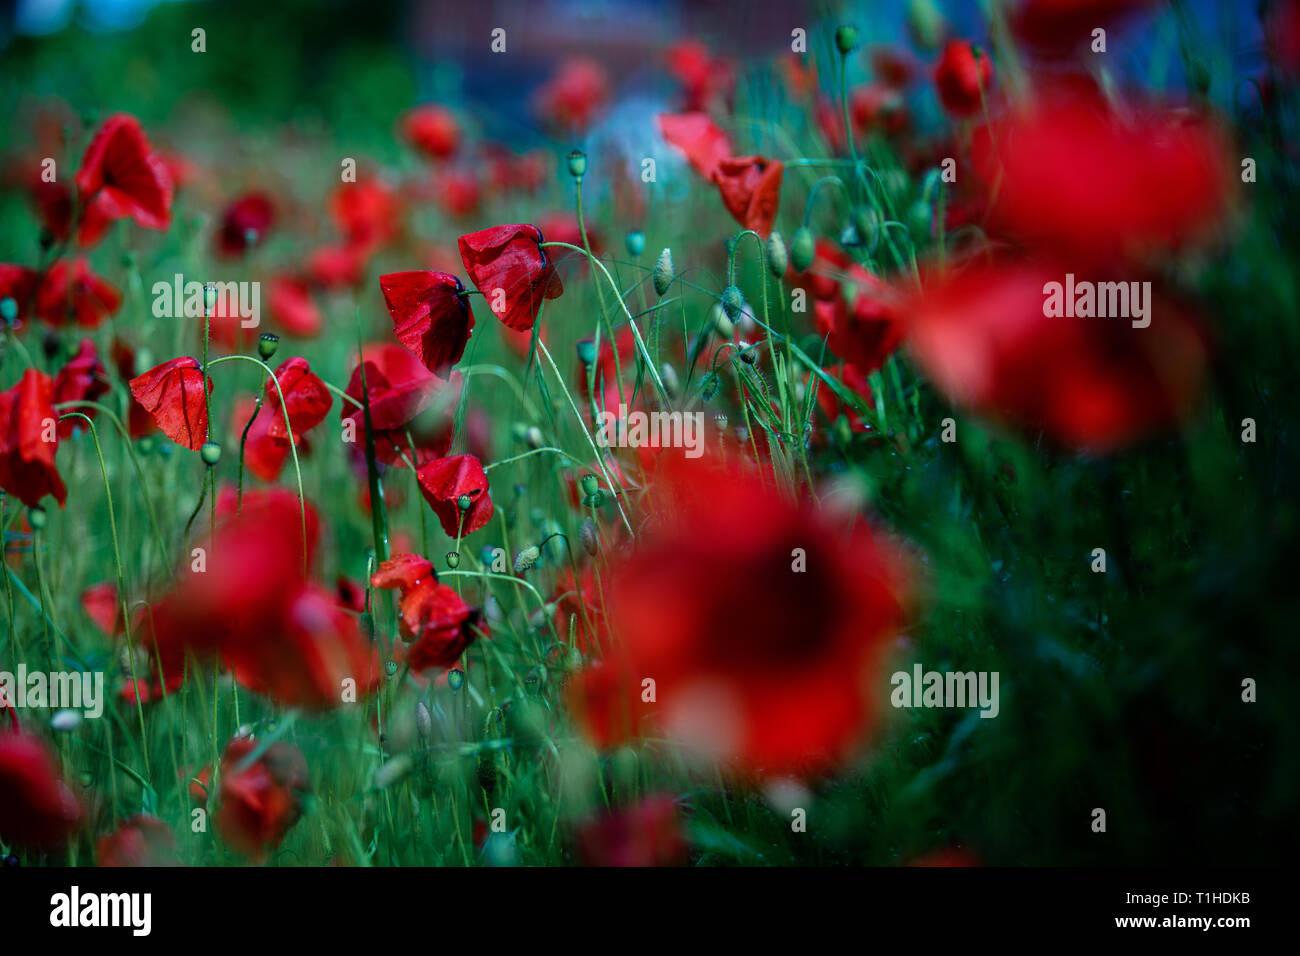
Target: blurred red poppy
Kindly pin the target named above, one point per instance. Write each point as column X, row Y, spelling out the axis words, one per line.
column 367, row 213
column 571, row 99
column 101, row 605
column 861, row 322
column 260, row 803
column 82, row 379
column 1075, row 175
column 510, row 267
column 244, row 224
column 774, row 666
column 292, row 307
column 1094, row 384
column 431, row 316
column 19, row 284
column 140, row 841
column 445, row 481
column 963, row 77
column 172, row 393
column 29, row 440
column 37, row 809
column 433, row 130
column 1062, row 26
column 54, row 206
column 126, row 175
column 646, row 834
column 698, row 137
column 71, row 292
column 751, row 190
column 407, row 404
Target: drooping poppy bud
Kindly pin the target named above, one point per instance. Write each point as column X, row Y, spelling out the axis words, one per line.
column 778, row 259
column 663, row 274
column 510, row 267
column 803, row 249
column 172, row 393
column 431, row 316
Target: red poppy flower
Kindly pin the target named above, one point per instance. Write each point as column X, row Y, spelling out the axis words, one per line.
column 751, row 190
column 1075, row 175
column 436, row 622
column 458, row 192
column 37, row 809
column 128, row 177
column 260, row 803
column 29, row 439
column 698, row 137
column 292, row 306
column 245, row 224
column 101, row 605
column 172, row 393
column 367, row 213
column 861, row 323
column 445, row 481
column 510, row 267
column 1094, row 384
column 264, row 455
column 305, row 663
column 878, row 107
column 54, row 208
column 338, row 267
column 140, row 841
column 306, row 399
column 404, row 398
column 82, row 379
column 647, row 834
column 431, row 316
column 893, row 66
column 775, row 666
column 963, row 77
column 433, row 130
column 703, row 77
column 579, row 611
column 70, row 291
column 18, row 283
column 571, row 99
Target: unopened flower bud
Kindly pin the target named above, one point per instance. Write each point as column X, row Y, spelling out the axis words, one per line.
column 267, row 343
column 733, row 303
column 846, row 39
column 535, row 438
column 709, row 387
column 36, row 518
column 635, row 242
column 803, row 249
column 589, row 537
column 423, row 720
column 663, row 274
column 577, row 164
column 526, row 558
column 919, row 220
column 778, row 258
column 925, row 23
column 587, row 352
column 210, row 453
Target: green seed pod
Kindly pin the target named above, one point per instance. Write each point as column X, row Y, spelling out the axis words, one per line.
column 267, row 343
column 590, row 484
column 803, row 249
column 455, row 678
column 209, row 298
column 577, row 164
column 453, row 559
column 720, row 420
column 211, row 453
column 464, row 502
column 589, row 537
column 663, row 274
column 867, row 223
column 778, row 258
column 36, row 518
column 390, row 668
column 526, row 558
column 8, row 309
column 733, row 302
column 587, row 352
column 846, row 39
column 635, row 242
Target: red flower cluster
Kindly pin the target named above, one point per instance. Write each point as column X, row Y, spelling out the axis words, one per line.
column 436, row 623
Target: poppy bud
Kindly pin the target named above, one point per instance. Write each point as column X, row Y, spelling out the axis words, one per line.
column 519, row 430
column 455, row 678
column 267, row 343
column 919, row 220
column 535, row 438
column 668, row 375
column 423, row 720
column 590, row 484
column 778, row 259
column 722, row 325
column 587, row 353
column 36, row 518
column 453, row 559
column 867, row 223
column 663, row 273
column 712, row 382
column 925, row 23
column 577, row 164
column 749, row 355
column 8, row 309
column 146, row 445
column 590, row 539
column 732, row 302
column 210, row 453
column 803, row 249
column 390, row 668
column 464, row 502
column 635, row 242
column 526, row 558
column 846, row 38
column 209, row 298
